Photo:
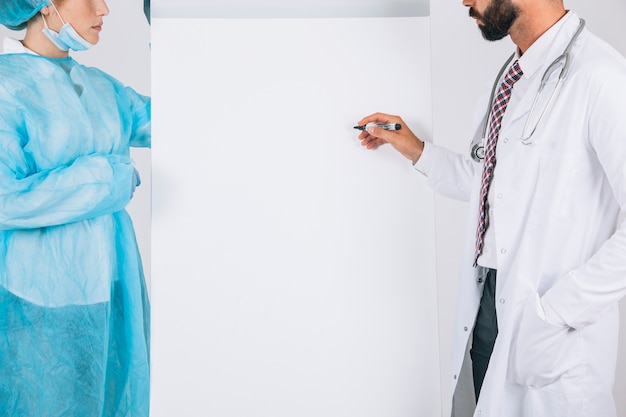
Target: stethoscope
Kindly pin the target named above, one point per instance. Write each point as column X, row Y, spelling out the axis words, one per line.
column 477, row 147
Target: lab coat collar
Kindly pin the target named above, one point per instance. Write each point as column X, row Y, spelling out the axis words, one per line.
column 538, row 57
column 549, row 46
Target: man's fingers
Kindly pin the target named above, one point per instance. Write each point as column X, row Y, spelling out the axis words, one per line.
column 371, row 142
column 379, row 118
column 379, row 132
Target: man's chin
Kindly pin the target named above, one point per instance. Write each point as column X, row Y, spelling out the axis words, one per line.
column 492, row 37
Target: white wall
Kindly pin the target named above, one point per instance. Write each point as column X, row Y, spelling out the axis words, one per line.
column 459, row 47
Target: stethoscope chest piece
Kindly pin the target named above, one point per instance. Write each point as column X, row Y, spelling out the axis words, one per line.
column 477, row 151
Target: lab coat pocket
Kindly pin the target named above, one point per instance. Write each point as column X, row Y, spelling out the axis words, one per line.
column 543, row 353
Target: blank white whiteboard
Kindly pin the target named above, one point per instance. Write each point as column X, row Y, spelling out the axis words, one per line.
column 293, row 271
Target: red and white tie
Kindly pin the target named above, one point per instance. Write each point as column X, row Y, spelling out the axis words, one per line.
column 495, row 119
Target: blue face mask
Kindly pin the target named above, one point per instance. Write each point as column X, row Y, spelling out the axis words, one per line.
column 67, row 38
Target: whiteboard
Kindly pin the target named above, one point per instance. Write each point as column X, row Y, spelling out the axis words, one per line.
column 293, row 270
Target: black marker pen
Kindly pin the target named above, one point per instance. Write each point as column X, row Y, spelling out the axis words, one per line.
column 387, row 126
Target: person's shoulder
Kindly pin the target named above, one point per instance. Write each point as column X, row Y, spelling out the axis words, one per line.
column 96, row 72
column 15, row 67
column 600, row 70
column 13, row 58
column 104, row 77
column 596, row 54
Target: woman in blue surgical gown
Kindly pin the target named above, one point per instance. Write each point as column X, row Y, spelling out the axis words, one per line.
column 74, row 313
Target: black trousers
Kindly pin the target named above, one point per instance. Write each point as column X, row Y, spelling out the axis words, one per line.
column 485, row 331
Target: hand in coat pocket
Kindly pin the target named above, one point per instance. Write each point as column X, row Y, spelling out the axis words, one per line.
column 542, row 353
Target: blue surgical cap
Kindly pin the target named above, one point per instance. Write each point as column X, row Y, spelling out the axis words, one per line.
column 14, row 14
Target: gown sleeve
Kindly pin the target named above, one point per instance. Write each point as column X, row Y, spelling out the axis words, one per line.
column 141, row 111
column 89, row 186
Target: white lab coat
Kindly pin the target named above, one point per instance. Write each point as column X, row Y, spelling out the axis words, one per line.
column 561, row 257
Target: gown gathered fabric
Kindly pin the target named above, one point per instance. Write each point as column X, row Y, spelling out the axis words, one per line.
column 74, row 311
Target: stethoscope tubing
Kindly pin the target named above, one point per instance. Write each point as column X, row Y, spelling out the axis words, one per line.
column 477, row 150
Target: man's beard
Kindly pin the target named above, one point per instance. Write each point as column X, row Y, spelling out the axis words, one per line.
column 497, row 19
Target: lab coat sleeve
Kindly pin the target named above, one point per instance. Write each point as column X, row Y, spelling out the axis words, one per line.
column 141, row 113
column 448, row 173
column 584, row 294
column 90, row 186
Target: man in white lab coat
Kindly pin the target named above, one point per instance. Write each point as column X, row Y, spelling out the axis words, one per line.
column 538, row 296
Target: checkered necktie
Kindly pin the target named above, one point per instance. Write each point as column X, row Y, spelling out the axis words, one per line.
column 495, row 119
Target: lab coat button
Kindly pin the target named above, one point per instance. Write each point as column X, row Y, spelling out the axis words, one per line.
column 505, row 140
column 502, row 301
column 500, row 196
column 503, row 251
column 479, row 413
column 454, row 376
column 465, row 328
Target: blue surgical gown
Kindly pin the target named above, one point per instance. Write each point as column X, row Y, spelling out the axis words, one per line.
column 74, row 312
